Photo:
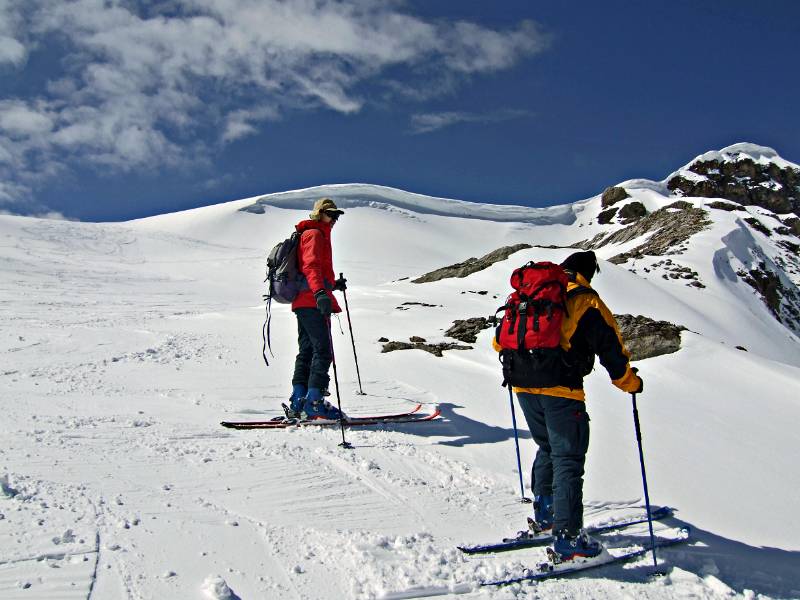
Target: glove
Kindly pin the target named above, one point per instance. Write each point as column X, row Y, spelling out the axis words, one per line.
column 630, row 382
column 639, row 389
column 340, row 284
column 324, row 303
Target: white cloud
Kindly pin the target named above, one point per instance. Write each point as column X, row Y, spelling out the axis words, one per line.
column 241, row 123
column 427, row 122
column 12, row 50
column 19, row 120
column 143, row 84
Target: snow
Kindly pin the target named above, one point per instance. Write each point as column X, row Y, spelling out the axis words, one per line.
column 125, row 344
column 761, row 155
column 364, row 195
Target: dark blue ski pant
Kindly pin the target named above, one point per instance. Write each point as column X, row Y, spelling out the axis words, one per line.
column 560, row 427
column 314, row 356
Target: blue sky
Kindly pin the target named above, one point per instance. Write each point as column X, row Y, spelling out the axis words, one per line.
column 114, row 109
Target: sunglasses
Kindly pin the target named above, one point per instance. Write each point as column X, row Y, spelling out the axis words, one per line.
column 334, row 215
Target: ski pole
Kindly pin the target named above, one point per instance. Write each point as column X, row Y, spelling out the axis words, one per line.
column 352, row 339
column 644, row 477
column 344, row 443
column 524, row 499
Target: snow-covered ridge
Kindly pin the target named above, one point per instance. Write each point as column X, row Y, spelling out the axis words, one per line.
column 359, row 195
column 761, row 155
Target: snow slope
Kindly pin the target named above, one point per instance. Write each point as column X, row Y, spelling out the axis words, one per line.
column 123, row 345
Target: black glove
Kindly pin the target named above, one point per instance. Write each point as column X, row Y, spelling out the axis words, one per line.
column 340, row 284
column 641, row 382
column 324, row 303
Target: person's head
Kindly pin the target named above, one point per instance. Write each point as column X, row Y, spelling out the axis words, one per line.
column 584, row 263
column 325, row 210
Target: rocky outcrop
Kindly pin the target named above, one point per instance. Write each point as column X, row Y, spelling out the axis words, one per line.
column 471, row 265
column 743, row 181
column 646, row 338
column 781, row 297
column 758, row 226
column 633, row 211
column 435, row 349
column 467, row 330
column 612, row 195
column 671, row 227
column 793, row 223
column 606, row 216
column 718, row 204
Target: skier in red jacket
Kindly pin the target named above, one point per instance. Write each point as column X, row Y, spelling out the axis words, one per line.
column 313, row 307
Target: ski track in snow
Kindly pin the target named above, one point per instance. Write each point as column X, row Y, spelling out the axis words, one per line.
column 124, row 345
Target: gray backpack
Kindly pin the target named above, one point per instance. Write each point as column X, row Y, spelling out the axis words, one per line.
column 284, row 282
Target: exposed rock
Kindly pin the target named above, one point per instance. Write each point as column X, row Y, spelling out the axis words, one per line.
column 633, row 211
column 467, row 330
column 407, row 305
column 670, row 226
column 793, row 223
column 758, row 226
column 383, row 339
column 612, row 195
column 435, row 349
column 417, row 340
column 781, row 297
column 605, row 217
column 718, row 204
column 673, row 270
column 791, row 247
column 471, row 265
column 680, row 205
column 646, row 338
column 743, row 181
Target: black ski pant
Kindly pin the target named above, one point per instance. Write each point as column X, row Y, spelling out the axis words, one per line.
column 314, row 356
column 560, row 427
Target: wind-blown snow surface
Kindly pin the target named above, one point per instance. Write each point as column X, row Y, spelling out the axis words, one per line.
column 124, row 345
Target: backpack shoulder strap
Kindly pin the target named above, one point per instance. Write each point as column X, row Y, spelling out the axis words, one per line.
column 577, row 291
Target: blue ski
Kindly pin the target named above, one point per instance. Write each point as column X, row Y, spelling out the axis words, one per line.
column 542, row 540
column 548, row 570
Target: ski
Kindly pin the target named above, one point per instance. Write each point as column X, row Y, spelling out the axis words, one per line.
column 271, row 422
column 412, row 417
column 548, row 570
column 529, row 541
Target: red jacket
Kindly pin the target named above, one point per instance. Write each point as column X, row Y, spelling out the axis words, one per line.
column 315, row 261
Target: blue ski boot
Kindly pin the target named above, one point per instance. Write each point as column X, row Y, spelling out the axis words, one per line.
column 315, row 407
column 294, row 409
column 542, row 520
column 568, row 547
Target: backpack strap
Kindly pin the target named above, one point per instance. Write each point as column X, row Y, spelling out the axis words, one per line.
column 577, row 291
column 265, row 331
column 522, row 326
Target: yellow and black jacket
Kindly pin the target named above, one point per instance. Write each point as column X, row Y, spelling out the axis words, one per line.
column 588, row 329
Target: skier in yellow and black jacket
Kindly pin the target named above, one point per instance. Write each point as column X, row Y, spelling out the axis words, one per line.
column 556, row 412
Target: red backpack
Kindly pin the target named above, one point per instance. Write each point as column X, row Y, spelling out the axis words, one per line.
column 529, row 332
